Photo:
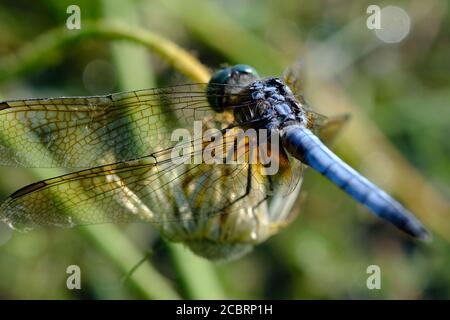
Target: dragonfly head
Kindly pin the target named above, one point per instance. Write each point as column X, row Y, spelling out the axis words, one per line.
column 228, row 81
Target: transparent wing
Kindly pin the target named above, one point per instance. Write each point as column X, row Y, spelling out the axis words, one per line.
column 325, row 127
column 294, row 76
column 153, row 189
column 82, row 132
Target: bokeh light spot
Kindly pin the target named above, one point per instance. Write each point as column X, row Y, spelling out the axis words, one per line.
column 395, row 24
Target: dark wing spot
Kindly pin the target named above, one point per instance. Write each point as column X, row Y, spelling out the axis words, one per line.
column 28, row 189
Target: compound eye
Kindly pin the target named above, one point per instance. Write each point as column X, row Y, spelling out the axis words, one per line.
column 216, row 88
column 224, row 81
column 245, row 69
column 221, row 77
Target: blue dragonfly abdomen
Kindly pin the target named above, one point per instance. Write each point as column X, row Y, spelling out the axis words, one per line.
column 308, row 148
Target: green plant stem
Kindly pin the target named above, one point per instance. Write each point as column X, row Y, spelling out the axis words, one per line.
column 196, row 275
column 145, row 280
column 225, row 35
column 43, row 50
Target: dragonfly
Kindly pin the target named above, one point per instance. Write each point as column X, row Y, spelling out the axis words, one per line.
column 131, row 168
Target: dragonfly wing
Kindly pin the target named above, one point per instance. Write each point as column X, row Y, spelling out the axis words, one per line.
column 174, row 196
column 294, row 76
column 327, row 128
column 133, row 132
column 136, row 191
column 84, row 132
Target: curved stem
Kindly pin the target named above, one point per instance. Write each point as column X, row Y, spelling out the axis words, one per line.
column 37, row 54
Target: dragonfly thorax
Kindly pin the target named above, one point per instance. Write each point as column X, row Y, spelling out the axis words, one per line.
column 256, row 103
column 270, row 105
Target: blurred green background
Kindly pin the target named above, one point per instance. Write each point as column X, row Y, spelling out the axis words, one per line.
column 398, row 94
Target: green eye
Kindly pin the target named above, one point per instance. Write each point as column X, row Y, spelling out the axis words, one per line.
column 224, row 75
column 246, row 69
column 221, row 77
column 240, row 74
